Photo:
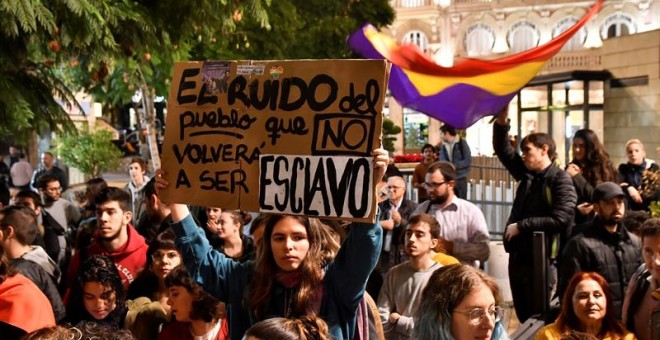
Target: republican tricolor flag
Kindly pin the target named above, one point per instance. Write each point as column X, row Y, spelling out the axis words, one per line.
column 468, row 91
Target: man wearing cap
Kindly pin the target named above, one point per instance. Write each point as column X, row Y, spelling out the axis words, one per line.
column 605, row 246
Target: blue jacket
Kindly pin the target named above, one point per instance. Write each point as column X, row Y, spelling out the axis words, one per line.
column 462, row 157
column 344, row 281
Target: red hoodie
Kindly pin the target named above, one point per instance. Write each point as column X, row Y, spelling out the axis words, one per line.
column 23, row 305
column 130, row 259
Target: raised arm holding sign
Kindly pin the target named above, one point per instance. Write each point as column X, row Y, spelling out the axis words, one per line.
column 300, row 283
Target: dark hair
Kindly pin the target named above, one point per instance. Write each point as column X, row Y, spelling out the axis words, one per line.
column 204, row 306
column 139, row 161
column 5, row 195
column 43, row 180
column 650, row 228
column 540, row 139
column 434, row 225
column 428, row 146
column 447, row 170
column 447, row 287
column 634, row 219
column 98, row 268
column 6, row 269
column 260, row 220
column 567, row 319
column 150, row 189
column 111, row 194
column 24, row 222
column 596, row 166
column 94, row 186
column 448, row 129
column 146, row 283
column 311, row 269
column 36, row 199
column 305, row 328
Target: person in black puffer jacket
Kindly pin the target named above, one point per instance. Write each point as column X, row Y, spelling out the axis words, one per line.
column 605, row 246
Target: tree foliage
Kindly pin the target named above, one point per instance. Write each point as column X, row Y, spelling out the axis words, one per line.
column 110, row 48
column 92, row 152
column 390, row 131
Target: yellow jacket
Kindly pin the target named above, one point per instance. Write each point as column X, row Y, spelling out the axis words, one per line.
column 551, row 332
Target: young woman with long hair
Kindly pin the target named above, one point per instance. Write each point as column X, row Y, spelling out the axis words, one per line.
column 290, row 277
column 591, row 165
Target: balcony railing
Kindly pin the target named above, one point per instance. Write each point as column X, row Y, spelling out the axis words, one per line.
column 588, row 60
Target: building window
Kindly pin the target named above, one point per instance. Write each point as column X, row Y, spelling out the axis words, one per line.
column 577, row 41
column 412, row 3
column 418, row 38
column 522, row 36
column 415, row 129
column 617, row 25
column 479, row 40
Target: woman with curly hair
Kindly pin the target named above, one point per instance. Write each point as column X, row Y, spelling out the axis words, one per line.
column 591, row 165
column 196, row 312
column 587, row 307
column 290, row 277
column 99, row 297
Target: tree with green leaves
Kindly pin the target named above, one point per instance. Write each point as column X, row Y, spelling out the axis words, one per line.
column 91, row 152
column 111, row 48
column 52, row 49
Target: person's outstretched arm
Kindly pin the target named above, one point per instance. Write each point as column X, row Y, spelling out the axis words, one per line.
column 220, row 276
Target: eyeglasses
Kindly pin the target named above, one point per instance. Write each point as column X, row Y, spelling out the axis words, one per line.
column 477, row 315
column 392, row 187
column 434, row 185
column 159, row 256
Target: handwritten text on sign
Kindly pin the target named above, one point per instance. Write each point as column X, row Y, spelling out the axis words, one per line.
column 224, row 116
column 315, row 185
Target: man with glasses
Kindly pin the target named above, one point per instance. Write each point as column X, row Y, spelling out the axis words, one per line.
column 394, row 218
column 464, row 233
column 65, row 213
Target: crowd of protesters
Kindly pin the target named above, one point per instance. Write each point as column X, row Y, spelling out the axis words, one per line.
column 123, row 264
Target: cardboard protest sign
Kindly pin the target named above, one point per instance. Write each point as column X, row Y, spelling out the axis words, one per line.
column 290, row 137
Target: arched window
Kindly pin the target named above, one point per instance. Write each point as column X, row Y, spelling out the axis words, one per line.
column 577, row 41
column 418, row 38
column 617, row 25
column 479, row 40
column 522, row 36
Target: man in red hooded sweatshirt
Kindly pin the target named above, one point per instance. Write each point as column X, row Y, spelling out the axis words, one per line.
column 115, row 237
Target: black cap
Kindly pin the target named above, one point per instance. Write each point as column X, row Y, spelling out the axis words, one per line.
column 606, row 191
